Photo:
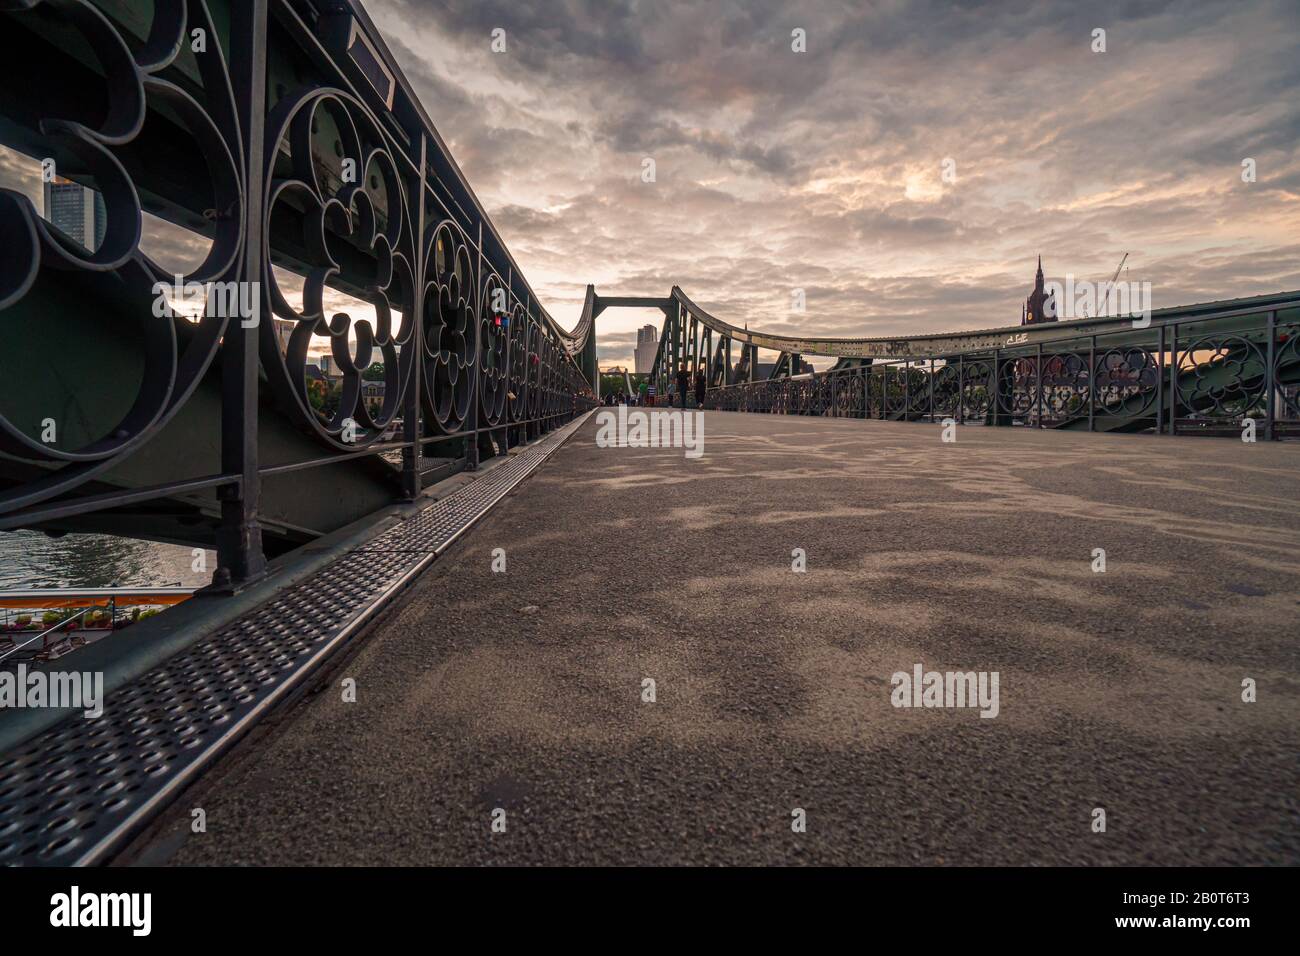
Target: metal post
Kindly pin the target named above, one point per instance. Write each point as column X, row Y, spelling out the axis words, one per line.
column 1092, row 381
column 412, row 430
column 533, row 430
column 1038, row 379
column 907, row 392
column 684, row 351
column 679, row 335
column 932, row 389
column 240, row 558
column 505, row 415
column 1160, row 383
column 1269, row 383
column 961, row 389
column 707, row 356
column 995, row 389
column 700, row 346
column 1173, row 379
column 471, row 452
column 692, row 350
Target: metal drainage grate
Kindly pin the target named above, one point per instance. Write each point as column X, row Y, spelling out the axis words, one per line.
column 70, row 795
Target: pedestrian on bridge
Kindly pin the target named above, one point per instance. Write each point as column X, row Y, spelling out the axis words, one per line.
column 642, row 393
column 683, row 385
column 701, row 386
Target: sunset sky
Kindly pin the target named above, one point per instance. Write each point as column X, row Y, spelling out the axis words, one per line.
column 822, row 170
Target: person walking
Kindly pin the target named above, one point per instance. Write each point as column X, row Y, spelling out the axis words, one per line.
column 683, row 385
column 642, row 392
column 701, row 386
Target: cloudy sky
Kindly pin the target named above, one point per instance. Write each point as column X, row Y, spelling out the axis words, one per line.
column 822, row 170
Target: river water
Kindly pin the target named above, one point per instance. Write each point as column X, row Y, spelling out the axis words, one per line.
column 31, row 559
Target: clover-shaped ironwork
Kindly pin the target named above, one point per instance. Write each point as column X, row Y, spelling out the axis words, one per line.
column 336, row 203
column 1124, row 380
column 494, row 338
column 450, row 320
column 1221, row 376
column 116, row 281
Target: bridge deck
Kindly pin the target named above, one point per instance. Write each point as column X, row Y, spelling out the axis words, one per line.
column 522, row 690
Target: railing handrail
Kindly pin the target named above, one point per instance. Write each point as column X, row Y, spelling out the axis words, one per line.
column 1168, row 316
column 1019, row 350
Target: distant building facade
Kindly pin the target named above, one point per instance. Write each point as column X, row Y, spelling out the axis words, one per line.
column 329, row 368
column 77, row 211
column 372, row 393
column 647, row 343
column 283, row 330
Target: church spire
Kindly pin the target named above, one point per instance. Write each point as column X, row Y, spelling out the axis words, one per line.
column 1034, row 309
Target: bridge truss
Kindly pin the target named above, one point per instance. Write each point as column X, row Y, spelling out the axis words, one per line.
column 1193, row 369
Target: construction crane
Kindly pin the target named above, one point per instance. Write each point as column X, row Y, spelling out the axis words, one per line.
column 1106, row 302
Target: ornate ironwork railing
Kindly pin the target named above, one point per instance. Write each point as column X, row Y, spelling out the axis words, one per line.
column 281, row 135
column 1204, row 374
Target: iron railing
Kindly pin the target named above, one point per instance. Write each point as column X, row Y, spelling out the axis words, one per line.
column 283, row 134
column 1205, row 374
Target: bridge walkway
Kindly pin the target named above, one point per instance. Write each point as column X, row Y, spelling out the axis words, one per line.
column 523, row 690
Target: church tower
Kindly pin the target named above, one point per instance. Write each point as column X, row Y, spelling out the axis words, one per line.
column 1034, row 310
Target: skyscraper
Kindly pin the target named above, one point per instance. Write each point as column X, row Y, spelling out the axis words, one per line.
column 647, row 342
column 77, row 211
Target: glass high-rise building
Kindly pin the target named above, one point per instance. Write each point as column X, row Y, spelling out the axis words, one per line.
column 77, row 211
column 647, row 342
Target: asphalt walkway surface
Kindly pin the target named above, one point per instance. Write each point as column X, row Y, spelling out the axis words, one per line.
column 523, row 691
